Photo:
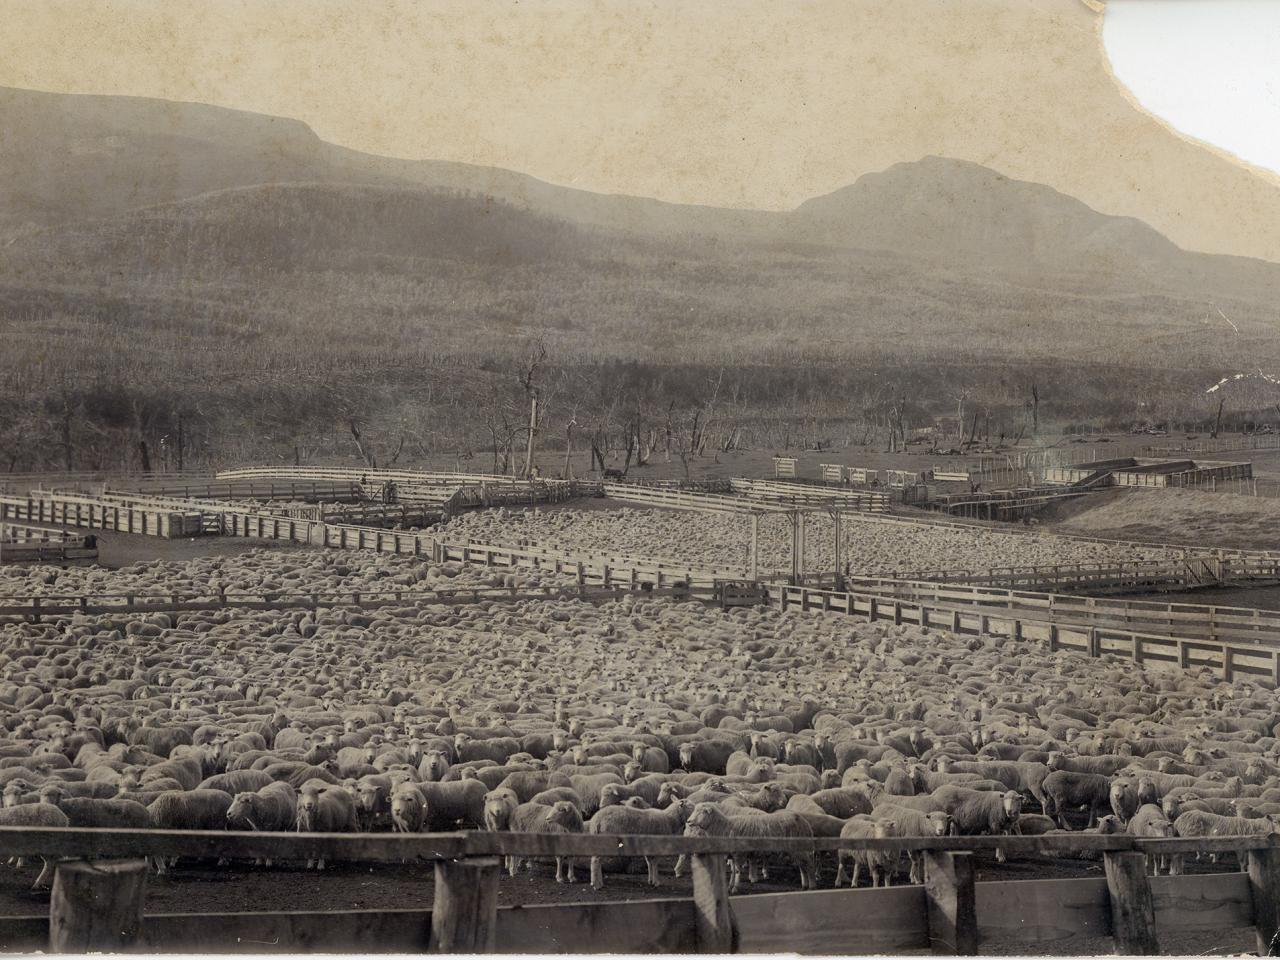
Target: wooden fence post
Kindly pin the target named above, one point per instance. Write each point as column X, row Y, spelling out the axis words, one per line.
column 464, row 917
column 1264, row 883
column 1133, row 915
column 949, row 892
column 712, row 915
column 96, row 907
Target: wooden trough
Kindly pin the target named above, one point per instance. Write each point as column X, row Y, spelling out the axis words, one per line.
column 99, row 897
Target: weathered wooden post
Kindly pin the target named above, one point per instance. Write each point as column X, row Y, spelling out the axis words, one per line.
column 712, row 915
column 1264, row 882
column 949, row 892
column 839, row 578
column 755, row 546
column 464, row 916
column 96, row 906
column 1133, row 915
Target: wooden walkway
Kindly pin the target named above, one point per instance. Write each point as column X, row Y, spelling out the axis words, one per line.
column 101, row 906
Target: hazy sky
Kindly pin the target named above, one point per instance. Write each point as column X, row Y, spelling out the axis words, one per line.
column 755, row 103
column 1211, row 68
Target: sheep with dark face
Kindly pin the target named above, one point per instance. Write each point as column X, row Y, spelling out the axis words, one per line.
column 981, row 812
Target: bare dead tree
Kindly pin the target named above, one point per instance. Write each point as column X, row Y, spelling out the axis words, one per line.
column 529, row 380
column 365, row 454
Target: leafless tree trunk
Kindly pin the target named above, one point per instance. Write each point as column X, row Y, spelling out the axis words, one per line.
column 365, row 455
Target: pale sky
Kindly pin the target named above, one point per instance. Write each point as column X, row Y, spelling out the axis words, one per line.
column 754, row 103
column 1211, row 68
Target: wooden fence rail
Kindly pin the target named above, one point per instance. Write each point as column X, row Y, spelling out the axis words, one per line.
column 35, row 608
column 1206, row 621
column 1256, row 658
column 1172, row 574
column 101, row 906
column 88, row 512
column 586, row 569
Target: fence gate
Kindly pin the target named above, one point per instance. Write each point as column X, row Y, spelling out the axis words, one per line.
column 784, row 466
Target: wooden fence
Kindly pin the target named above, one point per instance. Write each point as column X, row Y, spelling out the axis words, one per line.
column 1256, row 658
column 1266, row 441
column 70, row 510
column 591, row 569
column 687, row 500
column 1204, row 621
column 314, row 491
column 773, row 491
column 101, row 906
column 1129, row 576
column 23, row 543
column 35, row 607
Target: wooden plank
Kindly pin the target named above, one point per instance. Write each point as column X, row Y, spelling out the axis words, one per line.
column 1202, row 902
column 1035, row 911
column 83, row 842
column 639, row 927
column 328, row 931
column 872, row 920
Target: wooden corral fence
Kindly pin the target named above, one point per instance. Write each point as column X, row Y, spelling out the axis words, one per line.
column 99, row 897
column 774, row 491
column 687, row 500
column 1019, row 531
column 566, row 551
column 1266, row 441
column 594, row 569
column 311, row 491
column 71, row 510
column 544, row 489
column 1007, row 505
column 1202, row 621
column 1253, row 658
column 23, row 543
column 36, row 607
column 1175, row 573
column 706, row 485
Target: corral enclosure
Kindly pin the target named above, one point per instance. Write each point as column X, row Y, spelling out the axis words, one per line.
column 579, row 650
column 1148, row 472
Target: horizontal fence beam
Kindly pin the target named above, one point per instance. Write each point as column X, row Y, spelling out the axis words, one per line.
column 392, row 847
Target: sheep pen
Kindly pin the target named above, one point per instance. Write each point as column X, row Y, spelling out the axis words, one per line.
column 869, row 547
column 638, row 702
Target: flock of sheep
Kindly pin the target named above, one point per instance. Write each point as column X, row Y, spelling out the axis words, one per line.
column 706, row 540
column 635, row 716
column 260, row 572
